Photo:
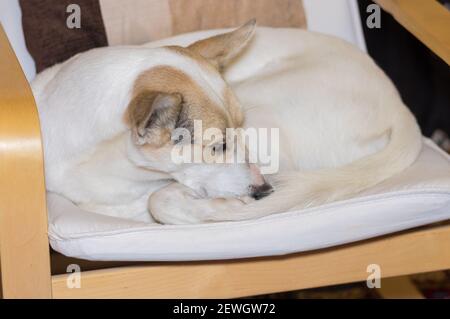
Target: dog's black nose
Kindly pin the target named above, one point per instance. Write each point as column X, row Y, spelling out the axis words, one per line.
column 262, row 191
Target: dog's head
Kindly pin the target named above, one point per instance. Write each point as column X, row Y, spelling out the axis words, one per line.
column 169, row 99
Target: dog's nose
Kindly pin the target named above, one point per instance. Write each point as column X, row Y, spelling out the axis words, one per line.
column 261, row 191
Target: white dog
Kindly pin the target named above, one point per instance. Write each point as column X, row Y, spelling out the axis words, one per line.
column 109, row 116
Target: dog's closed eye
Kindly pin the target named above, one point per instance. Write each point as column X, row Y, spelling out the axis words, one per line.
column 181, row 135
column 219, row 148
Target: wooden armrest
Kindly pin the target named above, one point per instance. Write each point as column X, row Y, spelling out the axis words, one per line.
column 427, row 20
column 24, row 251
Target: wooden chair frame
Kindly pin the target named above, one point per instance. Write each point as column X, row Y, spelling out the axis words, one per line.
column 24, row 248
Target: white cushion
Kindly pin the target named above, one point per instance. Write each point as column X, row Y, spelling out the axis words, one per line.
column 420, row 195
column 339, row 18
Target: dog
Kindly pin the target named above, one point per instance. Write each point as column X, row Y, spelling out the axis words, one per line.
column 109, row 118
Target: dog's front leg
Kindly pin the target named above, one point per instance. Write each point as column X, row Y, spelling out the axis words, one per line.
column 178, row 204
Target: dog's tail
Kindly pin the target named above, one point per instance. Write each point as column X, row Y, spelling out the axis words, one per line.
column 311, row 188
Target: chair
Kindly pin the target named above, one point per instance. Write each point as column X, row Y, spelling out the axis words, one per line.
column 30, row 270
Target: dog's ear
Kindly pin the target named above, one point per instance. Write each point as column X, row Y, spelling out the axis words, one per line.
column 152, row 115
column 222, row 48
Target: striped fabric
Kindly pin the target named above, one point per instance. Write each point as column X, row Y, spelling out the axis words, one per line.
column 113, row 22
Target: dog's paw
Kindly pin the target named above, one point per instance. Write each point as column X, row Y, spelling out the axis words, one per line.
column 168, row 205
column 178, row 204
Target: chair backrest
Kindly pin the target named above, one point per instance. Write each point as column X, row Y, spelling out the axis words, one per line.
column 56, row 30
column 139, row 21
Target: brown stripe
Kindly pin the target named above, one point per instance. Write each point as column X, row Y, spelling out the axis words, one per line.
column 47, row 36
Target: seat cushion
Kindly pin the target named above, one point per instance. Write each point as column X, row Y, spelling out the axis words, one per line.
column 420, row 195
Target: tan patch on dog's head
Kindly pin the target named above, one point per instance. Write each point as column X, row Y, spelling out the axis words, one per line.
column 165, row 98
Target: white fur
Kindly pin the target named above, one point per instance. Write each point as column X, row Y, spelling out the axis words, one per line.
column 343, row 125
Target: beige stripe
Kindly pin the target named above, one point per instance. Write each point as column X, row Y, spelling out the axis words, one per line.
column 140, row 21
column 136, row 21
column 192, row 15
